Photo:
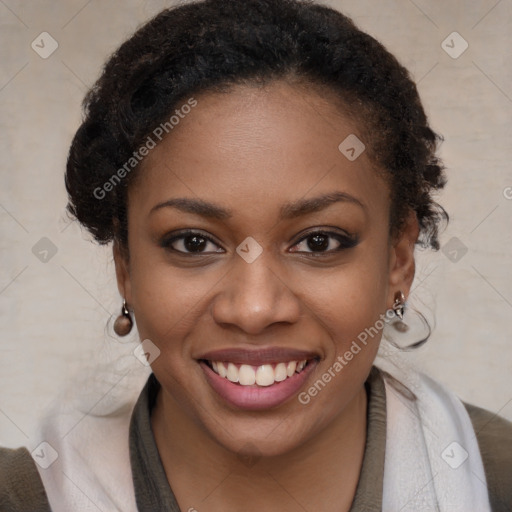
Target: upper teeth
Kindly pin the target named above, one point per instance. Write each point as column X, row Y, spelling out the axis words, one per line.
column 264, row 375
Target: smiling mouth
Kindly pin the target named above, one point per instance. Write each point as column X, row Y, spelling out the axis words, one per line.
column 263, row 375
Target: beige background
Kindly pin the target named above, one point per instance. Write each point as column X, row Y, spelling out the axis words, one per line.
column 53, row 314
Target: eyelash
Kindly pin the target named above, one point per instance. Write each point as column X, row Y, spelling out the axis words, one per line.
column 345, row 241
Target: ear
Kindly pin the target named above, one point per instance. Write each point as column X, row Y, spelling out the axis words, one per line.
column 122, row 272
column 401, row 261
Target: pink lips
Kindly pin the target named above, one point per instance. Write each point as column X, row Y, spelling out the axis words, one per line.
column 257, row 397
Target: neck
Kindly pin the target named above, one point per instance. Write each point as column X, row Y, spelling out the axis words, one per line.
column 205, row 475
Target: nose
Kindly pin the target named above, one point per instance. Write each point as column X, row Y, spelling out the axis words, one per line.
column 254, row 297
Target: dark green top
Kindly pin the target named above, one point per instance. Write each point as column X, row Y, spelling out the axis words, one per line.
column 21, row 488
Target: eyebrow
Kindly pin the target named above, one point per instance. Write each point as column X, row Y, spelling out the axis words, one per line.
column 289, row 210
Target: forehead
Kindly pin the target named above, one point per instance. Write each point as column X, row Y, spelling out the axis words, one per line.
column 257, row 147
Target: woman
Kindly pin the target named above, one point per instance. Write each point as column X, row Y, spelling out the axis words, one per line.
column 264, row 170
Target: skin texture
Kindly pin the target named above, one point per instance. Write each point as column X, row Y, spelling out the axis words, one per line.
column 252, row 150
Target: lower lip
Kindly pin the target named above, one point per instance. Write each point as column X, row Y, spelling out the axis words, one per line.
column 257, row 397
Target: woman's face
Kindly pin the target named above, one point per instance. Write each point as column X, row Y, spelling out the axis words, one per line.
column 256, row 244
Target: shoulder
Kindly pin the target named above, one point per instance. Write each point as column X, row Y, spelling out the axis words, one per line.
column 494, row 435
column 21, row 488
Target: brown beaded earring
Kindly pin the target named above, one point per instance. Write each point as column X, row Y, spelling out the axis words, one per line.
column 124, row 323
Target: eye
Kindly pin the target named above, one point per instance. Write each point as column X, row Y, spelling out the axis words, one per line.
column 190, row 242
column 324, row 242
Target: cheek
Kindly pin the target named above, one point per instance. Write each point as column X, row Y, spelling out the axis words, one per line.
column 349, row 299
column 354, row 314
column 167, row 301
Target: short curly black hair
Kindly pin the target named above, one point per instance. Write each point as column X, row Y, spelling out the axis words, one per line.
column 211, row 45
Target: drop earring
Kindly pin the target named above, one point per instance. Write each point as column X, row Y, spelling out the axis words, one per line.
column 399, row 308
column 124, row 323
column 399, row 304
